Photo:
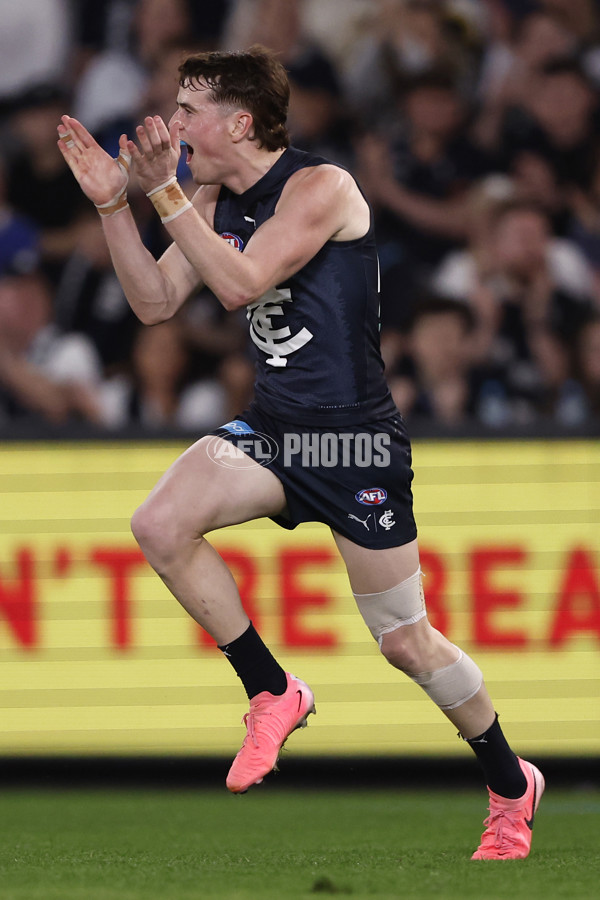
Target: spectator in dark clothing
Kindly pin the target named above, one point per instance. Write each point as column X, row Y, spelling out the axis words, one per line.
column 434, row 380
column 418, row 185
column 156, row 391
column 587, row 367
column 38, row 186
column 44, row 372
column 559, row 123
column 89, row 298
column 19, row 236
column 513, row 62
column 583, row 226
column 419, row 180
column 535, row 308
column 317, row 120
column 219, row 345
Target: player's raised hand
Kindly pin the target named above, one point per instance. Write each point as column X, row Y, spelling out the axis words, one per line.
column 100, row 177
column 156, row 158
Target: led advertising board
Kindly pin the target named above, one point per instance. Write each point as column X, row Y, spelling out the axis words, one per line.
column 96, row 657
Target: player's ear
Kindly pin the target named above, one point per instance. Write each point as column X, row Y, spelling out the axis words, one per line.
column 242, row 126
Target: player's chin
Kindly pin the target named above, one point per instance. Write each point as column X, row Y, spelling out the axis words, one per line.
column 194, row 174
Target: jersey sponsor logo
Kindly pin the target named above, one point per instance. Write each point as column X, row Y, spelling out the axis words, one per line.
column 233, row 239
column 237, row 426
column 371, row 496
column 277, row 343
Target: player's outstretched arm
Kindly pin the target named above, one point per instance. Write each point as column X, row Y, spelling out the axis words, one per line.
column 154, row 292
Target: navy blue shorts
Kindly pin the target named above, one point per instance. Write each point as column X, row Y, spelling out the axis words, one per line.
column 356, row 479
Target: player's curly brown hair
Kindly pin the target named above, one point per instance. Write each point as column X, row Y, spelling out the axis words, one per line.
column 253, row 79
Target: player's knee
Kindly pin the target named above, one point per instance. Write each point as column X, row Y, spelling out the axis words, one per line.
column 155, row 531
column 448, row 684
column 402, row 650
column 389, row 616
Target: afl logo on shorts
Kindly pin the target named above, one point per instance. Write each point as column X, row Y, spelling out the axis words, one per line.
column 233, row 239
column 371, row 496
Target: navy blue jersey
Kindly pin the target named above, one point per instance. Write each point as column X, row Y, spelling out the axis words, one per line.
column 316, row 337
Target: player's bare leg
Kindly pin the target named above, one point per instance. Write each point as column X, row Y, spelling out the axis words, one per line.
column 197, row 495
column 386, row 585
column 418, row 647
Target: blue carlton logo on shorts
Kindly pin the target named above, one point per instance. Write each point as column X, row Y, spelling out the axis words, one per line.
column 237, row 427
column 371, row 496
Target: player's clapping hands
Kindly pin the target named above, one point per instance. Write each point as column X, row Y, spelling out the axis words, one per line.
column 102, row 178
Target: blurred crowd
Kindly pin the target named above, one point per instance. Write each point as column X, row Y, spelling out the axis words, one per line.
column 472, row 126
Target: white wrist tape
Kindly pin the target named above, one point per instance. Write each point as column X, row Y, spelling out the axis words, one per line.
column 116, row 204
column 452, row 685
column 119, row 201
column 162, row 186
column 169, row 200
column 388, row 610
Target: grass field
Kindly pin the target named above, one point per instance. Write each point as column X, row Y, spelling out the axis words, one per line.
column 277, row 843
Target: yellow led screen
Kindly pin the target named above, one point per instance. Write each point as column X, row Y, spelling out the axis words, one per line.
column 96, row 657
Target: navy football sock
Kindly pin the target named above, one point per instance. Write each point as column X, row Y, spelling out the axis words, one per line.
column 254, row 664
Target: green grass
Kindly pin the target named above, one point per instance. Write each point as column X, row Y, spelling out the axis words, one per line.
column 274, row 843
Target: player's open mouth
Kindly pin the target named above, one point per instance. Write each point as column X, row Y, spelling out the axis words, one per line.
column 189, row 154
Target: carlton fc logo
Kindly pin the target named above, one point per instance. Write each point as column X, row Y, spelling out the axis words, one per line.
column 233, row 239
column 371, row 496
column 277, row 343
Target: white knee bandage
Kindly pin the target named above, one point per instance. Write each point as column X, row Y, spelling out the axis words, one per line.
column 387, row 610
column 454, row 684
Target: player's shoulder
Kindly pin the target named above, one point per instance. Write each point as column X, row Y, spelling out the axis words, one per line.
column 324, row 175
column 321, row 184
column 327, row 192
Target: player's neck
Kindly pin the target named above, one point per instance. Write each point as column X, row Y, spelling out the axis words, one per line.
column 251, row 169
